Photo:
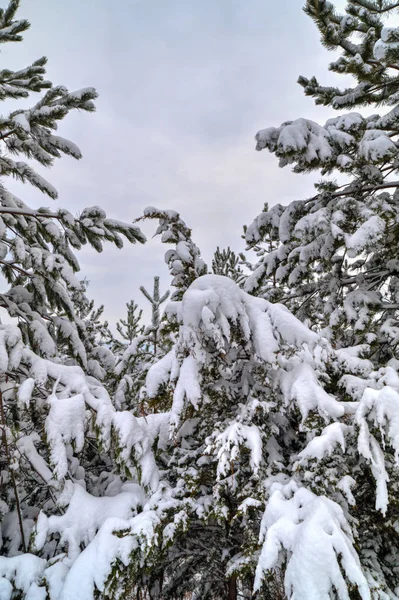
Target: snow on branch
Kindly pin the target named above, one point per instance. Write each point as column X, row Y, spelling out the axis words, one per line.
column 313, row 535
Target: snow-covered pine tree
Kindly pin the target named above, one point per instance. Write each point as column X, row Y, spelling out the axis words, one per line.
column 153, row 331
column 56, row 419
column 332, row 259
column 36, row 246
column 185, row 262
column 147, row 345
column 332, row 256
column 248, row 498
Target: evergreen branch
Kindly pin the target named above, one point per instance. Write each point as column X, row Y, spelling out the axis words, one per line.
column 26, row 212
column 360, row 189
column 386, row 9
column 16, row 268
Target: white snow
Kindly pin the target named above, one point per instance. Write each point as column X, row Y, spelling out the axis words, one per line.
column 64, row 424
column 315, row 537
column 84, row 517
column 324, row 444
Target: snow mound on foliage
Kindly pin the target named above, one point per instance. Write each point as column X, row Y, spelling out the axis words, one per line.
column 315, row 536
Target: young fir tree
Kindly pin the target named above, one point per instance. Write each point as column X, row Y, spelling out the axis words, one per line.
column 153, row 332
column 132, row 326
column 227, row 263
column 146, row 346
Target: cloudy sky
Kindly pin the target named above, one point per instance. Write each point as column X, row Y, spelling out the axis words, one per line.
column 184, row 86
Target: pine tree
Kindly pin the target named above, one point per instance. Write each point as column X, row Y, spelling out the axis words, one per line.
column 253, row 423
column 131, row 327
column 185, row 262
column 153, row 331
column 243, row 473
column 227, row 263
column 59, row 475
column 331, row 256
column 36, row 246
column 147, row 345
column 332, row 260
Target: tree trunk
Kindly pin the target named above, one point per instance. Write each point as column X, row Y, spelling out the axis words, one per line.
column 11, row 470
column 232, row 587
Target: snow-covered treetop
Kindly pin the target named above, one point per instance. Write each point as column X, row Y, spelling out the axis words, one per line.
column 369, row 51
column 370, row 54
column 184, row 262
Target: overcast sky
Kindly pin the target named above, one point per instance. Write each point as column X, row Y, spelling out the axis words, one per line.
column 184, row 85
